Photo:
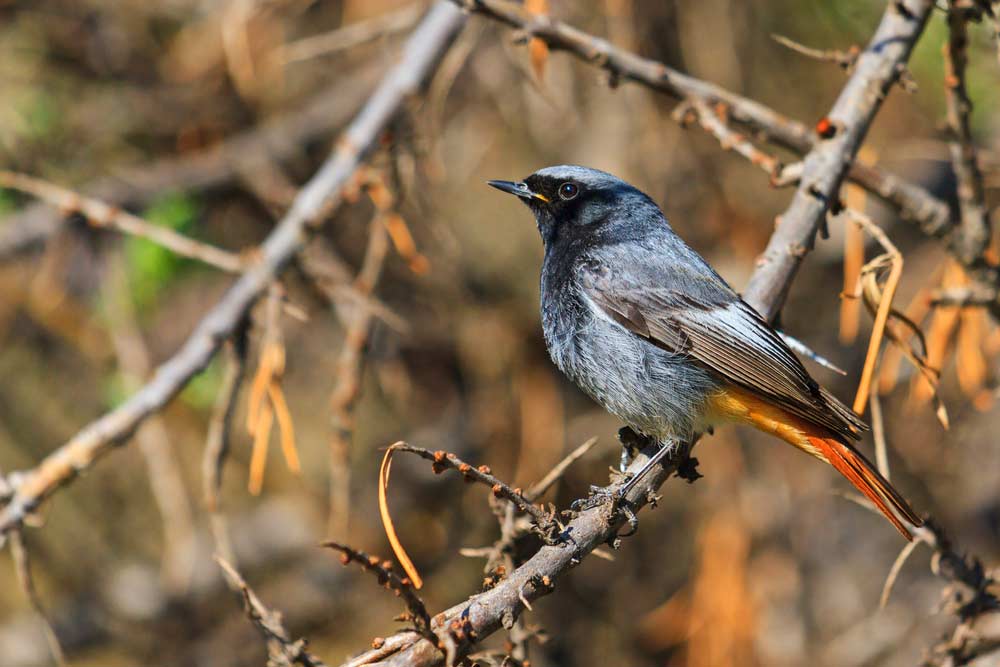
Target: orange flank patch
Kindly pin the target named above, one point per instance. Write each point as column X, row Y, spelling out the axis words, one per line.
column 735, row 405
column 741, row 407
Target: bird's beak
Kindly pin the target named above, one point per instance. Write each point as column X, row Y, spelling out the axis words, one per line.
column 519, row 189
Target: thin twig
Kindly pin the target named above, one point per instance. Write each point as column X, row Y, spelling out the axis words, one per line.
column 349, row 36
column 536, row 490
column 22, row 567
column 402, row 586
column 217, row 444
column 713, row 121
column 350, row 366
column 281, row 649
column 100, row 214
column 845, row 59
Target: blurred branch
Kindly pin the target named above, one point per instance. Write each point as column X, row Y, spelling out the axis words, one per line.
column 970, row 598
column 975, row 218
column 217, row 442
column 100, row 214
column 279, row 138
column 845, row 59
column 971, row 295
column 350, row 366
column 349, row 36
column 166, row 481
column 826, row 165
column 315, row 201
column 281, row 650
column 22, row 567
column 912, row 201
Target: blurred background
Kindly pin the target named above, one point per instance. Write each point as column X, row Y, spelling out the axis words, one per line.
column 762, row 562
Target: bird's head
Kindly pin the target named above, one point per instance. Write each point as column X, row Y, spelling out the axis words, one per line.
column 578, row 202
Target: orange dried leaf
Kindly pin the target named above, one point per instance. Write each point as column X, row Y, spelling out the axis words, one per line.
column 971, row 362
column 402, row 240
column 850, row 309
column 258, row 457
column 258, row 388
column 285, row 427
column 390, row 529
column 538, row 53
column 538, row 50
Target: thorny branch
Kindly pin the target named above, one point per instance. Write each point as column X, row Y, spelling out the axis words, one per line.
column 282, row 650
column 975, row 221
column 315, row 201
column 972, row 593
column 442, row 461
column 401, row 586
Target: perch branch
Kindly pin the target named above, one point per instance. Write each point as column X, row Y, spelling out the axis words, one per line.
column 501, row 605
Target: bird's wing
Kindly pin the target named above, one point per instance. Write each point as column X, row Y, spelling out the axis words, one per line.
column 700, row 317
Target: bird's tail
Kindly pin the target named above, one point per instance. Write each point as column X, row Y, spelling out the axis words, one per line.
column 866, row 479
column 739, row 406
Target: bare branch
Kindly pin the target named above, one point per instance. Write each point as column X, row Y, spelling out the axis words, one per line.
column 281, row 649
column 913, row 202
column 828, row 162
column 349, row 36
column 845, row 59
column 975, row 217
column 100, row 214
column 22, row 567
column 277, row 139
column 421, row 55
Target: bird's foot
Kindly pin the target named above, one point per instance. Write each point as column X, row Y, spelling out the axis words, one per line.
column 613, row 496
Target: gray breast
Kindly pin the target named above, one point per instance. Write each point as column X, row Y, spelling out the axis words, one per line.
column 657, row 392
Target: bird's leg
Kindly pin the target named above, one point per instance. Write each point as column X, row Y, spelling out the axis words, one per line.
column 632, row 443
column 666, row 449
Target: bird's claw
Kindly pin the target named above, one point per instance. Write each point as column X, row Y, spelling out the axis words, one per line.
column 613, row 496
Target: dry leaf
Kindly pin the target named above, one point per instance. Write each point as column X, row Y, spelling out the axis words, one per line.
column 390, row 530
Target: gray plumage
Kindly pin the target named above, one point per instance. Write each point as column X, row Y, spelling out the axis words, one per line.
column 642, row 323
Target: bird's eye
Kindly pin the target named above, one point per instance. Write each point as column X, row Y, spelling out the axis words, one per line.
column 568, row 190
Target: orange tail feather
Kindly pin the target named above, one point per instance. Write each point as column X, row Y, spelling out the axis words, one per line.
column 868, row 481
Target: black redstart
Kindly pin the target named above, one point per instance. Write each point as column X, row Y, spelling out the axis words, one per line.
column 650, row 331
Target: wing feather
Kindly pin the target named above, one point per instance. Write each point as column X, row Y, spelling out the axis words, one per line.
column 714, row 327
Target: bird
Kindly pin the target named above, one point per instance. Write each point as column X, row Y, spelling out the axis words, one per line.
column 647, row 328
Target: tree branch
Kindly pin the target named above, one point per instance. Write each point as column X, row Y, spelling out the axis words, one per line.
column 975, row 219
column 320, row 195
column 826, row 165
column 877, row 67
column 912, row 201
